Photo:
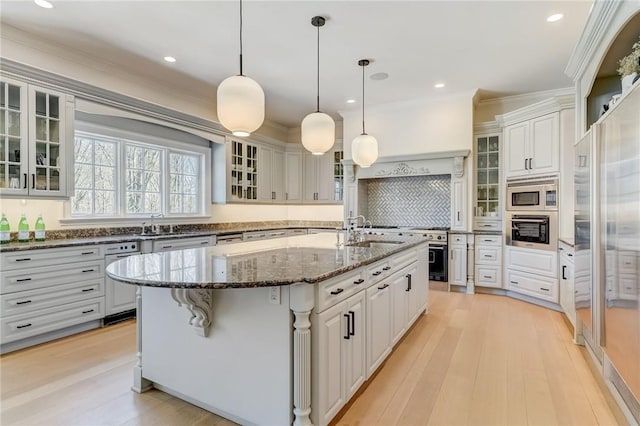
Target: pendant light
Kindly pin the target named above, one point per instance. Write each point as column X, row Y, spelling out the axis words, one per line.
column 318, row 129
column 240, row 101
column 364, row 148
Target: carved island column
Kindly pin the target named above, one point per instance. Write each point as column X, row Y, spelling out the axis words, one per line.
column 301, row 304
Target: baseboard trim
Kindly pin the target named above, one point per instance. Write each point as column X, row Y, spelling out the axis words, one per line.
column 47, row 337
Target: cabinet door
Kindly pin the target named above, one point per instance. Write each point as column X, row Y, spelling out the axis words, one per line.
column 355, row 359
column 416, row 285
column 265, row 193
column 378, row 325
column 48, row 142
column 309, row 178
column 516, row 150
column 544, row 143
column 14, row 156
column 119, row 297
column 567, row 288
column 400, row 305
column 324, row 178
column 487, row 178
column 458, row 265
column 338, row 176
column 236, row 170
column 277, row 176
column 331, row 331
column 293, row 177
column 458, row 205
column 252, row 166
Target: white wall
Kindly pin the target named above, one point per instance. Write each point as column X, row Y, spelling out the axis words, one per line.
column 415, row 127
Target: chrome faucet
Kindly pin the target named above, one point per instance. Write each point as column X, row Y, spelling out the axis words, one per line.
column 356, row 234
column 155, row 228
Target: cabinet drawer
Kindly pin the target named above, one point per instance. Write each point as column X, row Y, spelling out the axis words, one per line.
column 488, row 276
column 338, row 289
column 33, row 278
column 182, row 243
column 627, row 262
column 533, row 261
column 403, row 259
column 36, row 258
column 47, row 297
column 293, row 232
column 21, row 326
column 252, row 236
column 378, row 271
column 532, row 285
column 481, row 225
column 489, row 256
column 488, row 240
column 277, row 234
column 458, row 238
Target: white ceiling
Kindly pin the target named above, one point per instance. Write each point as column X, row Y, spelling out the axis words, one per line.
column 500, row 47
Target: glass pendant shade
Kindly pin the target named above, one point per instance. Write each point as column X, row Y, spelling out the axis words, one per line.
column 364, row 150
column 240, row 105
column 318, row 132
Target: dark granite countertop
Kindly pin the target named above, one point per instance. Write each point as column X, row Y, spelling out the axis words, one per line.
column 265, row 263
column 94, row 240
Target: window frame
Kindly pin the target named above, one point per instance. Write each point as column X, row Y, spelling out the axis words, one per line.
column 166, row 146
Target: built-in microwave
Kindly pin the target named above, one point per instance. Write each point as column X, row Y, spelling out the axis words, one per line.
column 533, row 230
column 532, row 195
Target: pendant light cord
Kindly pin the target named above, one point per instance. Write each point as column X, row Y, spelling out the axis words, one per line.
column 363, row 132
column 241, row 37
column 318, row 73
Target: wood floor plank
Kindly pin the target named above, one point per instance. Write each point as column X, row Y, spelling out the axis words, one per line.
column 474, row 359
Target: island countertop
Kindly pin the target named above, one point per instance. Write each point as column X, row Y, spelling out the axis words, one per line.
column 283, row 261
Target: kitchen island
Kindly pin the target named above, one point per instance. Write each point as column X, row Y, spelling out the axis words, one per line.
column 277, row 331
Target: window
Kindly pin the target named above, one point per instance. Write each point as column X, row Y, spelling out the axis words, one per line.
column 119, row 177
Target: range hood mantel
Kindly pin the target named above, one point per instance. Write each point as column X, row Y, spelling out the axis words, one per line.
column 437, row 163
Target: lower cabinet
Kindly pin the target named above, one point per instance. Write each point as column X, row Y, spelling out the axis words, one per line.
column 339, row 367
column 404, row 302
column 532, row 272
column 458, row 260
column 488, row 260
column 378, row 325
column 567, row 282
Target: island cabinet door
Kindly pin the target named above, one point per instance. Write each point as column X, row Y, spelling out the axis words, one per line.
column 378, row 325
column 355, row 360
column 414, row 286
column 330, row 330
column 400, row 304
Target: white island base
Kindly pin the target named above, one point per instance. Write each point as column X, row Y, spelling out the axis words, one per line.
column 241, row 370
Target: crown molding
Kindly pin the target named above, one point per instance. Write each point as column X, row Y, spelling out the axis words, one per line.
column 524, row 97
column 598, row 24
column 416, row 157
column 538, row 109
column 486, row 128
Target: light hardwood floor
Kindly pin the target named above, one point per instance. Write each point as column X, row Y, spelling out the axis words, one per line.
column 477, row 360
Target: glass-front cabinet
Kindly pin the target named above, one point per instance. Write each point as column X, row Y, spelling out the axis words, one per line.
column 243, row 171
column 338, row 175
column 487, row 182
column 35, row 140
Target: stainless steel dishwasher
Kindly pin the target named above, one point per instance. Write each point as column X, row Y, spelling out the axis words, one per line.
column 120, row 299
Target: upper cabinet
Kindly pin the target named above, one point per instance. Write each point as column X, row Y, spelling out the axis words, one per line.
column 532, row 147
column 487, row 208
column 317, row 178
column 271, row 175
column 36, row 141
column 243, row 171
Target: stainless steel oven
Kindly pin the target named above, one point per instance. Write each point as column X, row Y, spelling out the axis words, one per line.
column 533, row 230
column 531, row 195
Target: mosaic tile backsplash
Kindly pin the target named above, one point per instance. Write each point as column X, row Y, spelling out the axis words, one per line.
column 410, row 201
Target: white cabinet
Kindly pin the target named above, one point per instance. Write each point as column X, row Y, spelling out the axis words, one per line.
column 567, row 282
column 532, row 272
column 457, row 259
column 458, row 209
column 488, row 262
column 338, row 175
column 243, row 169
column 339, row 360
column 488, row 207
column 36, row 141
column 183, row 243
column 405, row 301
column 532, row 147
column 293, row 177
column 270, row 174
column 44, row 291
column 317, row 178
column 378, row 311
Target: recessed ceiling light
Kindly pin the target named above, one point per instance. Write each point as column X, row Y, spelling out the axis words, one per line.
column 43, row 3
column 438, row 85
column 169, row 59
column 379, row 76
column 351, row 101
column 555, row 17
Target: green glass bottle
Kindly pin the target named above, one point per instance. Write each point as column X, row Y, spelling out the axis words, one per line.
column 5, row 230
column 23, row 229
column 39, row 229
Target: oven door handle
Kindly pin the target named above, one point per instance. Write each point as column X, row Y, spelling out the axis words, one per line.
column 441, row 248
column 529, row 220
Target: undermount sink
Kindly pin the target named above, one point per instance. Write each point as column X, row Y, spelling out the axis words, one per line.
column 374, row 243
